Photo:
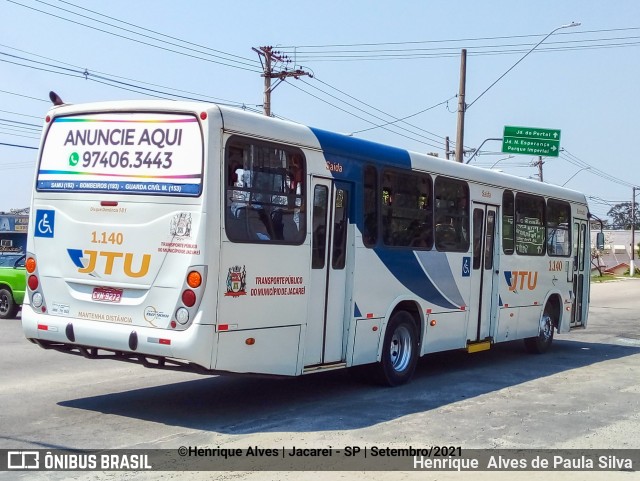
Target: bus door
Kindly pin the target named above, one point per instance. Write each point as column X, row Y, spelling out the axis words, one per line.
column 580, row 268
column 331, row 254
column 484, row 272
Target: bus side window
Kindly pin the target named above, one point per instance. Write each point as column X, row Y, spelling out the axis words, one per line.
column 507, row 222
column 530, row 225
column 370, row 206
column 319, row 226
column 451, row 215
column 478, row 226
column 558, row 222
column 235, row 167
column 265, row 199
column 341, row 208
column 406, row 208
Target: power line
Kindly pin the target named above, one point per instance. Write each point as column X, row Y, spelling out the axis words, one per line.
column 135, row 40
column 406, row 117
column 573, row 159
column 25, row 96
column 473, row 51
column 87, row 75
column 78, row 73
column 22, row 115
column 271, row 61
column 361, row 118
column 96, row 73
column 472, row 39
column 20, row 146
column 438, row 137
column 153, row 92
column 473, row 54
column 15, row 131
column 18, row 165
column 252, row 61
column 372, row 115
column 20, row 123
column 488, row 164
column 13, row 134
column 17, row 128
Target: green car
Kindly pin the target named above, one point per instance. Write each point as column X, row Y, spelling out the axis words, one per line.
column 13, row 280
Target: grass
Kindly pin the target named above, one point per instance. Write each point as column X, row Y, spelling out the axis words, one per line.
column 611, row 277
column 603, row 278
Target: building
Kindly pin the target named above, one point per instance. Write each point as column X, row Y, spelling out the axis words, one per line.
column 616, row 255
column 13, row 232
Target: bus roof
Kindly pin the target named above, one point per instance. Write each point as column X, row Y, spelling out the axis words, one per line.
column 238, row 120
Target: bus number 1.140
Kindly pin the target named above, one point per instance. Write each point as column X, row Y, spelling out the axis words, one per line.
column 107, row 238
column 555, row 266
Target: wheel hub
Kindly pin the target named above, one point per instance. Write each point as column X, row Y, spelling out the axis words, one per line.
column 400, row 348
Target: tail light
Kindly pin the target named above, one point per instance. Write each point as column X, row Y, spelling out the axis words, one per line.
column 33, row 283
column 192, row 290
column 194, row 279
column 30, row 265
column 188, row 298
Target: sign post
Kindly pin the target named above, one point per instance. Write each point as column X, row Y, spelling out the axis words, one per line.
column 531, row 141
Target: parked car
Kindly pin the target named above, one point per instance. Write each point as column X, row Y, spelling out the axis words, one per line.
column 12, row 284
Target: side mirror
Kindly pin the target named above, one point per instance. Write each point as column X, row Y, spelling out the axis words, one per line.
column 600, row 241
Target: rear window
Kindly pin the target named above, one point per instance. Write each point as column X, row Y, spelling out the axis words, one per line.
column 12, row 260
column 123, row 153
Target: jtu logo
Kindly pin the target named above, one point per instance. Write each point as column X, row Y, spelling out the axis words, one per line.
column 87, row 260
column 517, row 279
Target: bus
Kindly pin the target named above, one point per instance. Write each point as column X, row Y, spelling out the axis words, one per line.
column 199, row 237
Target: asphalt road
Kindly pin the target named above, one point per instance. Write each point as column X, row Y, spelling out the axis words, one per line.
column 584, row 393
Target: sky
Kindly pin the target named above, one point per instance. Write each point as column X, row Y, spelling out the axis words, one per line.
column 373, row 63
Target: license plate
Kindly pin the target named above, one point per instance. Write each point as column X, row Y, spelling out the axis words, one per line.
column 106, row 294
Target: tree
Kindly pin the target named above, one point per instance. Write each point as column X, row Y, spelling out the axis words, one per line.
column 594, row 225
column 620, row 215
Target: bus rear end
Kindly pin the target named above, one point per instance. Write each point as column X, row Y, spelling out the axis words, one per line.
column 116, row 256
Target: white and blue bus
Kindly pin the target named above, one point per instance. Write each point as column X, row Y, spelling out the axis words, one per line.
column 194, row 236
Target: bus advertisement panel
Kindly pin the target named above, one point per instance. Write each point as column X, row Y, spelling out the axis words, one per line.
column 133, row 153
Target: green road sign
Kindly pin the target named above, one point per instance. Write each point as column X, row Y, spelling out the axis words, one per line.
column 531, row 141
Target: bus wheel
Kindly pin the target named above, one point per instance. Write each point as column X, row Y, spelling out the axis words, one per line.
column 540, row 344
column 399, row 351
column 8, row 307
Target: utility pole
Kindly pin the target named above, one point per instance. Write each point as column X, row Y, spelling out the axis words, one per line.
column 446, row 147
column 269, row 58
column 539, row 164
column 632, row 267
column 461, row 106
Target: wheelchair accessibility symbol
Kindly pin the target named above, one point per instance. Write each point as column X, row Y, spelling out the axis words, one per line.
column 466, row 266
column 45, row 223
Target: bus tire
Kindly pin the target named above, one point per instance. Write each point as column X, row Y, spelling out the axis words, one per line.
column 8, row 307
column 399, row 351
column 541, row 343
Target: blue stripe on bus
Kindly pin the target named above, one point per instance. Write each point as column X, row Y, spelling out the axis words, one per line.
column 341, row 149
column 76, row 257
column 405, row 267
column 438, row 268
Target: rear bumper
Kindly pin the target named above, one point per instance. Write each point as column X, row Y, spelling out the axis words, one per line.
column 149, row 346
